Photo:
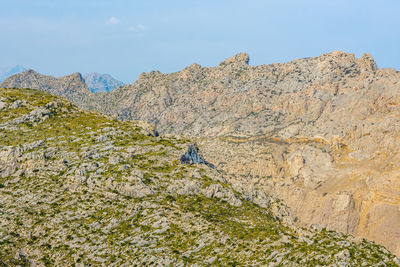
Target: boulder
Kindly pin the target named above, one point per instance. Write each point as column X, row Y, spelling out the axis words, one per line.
column 192, row 156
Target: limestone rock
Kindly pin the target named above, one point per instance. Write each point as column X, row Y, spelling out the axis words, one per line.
column 2, row 105
column 192, row 156
column 218, row 191
column 8, row 160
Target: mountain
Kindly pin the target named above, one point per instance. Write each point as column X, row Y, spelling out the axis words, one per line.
column 9, row 71
column 101, row 82
column 73, row 86
column 320, row 134
column 77, row 187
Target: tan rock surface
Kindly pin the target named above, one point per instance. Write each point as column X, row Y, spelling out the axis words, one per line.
column 320, row 133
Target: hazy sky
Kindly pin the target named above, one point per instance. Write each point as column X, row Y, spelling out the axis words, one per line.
column 124, row 38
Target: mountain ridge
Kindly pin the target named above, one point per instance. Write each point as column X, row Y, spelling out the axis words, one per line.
column 319, row 133
column 72, row 86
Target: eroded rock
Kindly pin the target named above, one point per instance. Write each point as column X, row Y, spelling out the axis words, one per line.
column 192, row 156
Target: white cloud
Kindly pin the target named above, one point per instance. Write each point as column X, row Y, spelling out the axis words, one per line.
column 137, row 28
column 113, row 21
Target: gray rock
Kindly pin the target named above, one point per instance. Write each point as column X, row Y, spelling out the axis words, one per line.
column 102, row 138
column 192, row 156
column 37, row 115
column 33, row 145
column 8, row 160
column 81, row 171
column 15, row 104
column 123, row 167
column 100, row 171
column 218, row 191
column 2, row 105
column 53, row 105
column 342, row 257
column 113, row 160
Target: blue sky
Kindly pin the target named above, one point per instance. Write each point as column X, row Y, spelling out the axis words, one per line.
column 124, row 38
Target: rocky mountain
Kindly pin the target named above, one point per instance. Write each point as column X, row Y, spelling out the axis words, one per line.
column 9, row 71
column 81, row 188
column 73, row 86
column 97, row 82
column 321, row 133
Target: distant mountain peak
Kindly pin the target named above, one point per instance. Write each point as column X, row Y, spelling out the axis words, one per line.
column 31, row 71
column 76, row 75
column 98, row 82
column 10, row 71
column 238, row 59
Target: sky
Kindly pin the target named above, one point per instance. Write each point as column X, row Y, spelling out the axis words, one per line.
column 125, row 38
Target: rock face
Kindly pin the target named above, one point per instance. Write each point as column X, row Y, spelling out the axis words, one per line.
column 9, row 71
column 235, row 97
column 97, row 82
column 320, row 133
column 81, row 188
column 192, row 156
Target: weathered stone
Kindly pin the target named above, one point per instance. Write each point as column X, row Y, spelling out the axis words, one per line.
column 218, row 191
column 15, row 104
column 113, row 160
column 192, row 156
column 3, row 105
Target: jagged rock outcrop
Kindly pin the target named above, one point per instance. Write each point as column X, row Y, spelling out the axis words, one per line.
column 192, row 156
column 98, row 82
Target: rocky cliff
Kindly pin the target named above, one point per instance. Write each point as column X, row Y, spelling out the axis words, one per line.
column 78, row 188
column 320, row 133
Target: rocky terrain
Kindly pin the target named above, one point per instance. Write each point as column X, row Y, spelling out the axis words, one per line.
column 97, row 82
column 79, row 188
column 9, row 71
column 73, row 86
column 322, row 133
